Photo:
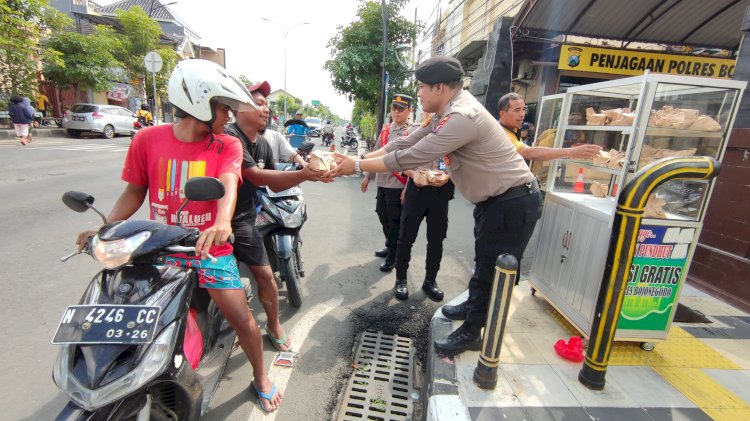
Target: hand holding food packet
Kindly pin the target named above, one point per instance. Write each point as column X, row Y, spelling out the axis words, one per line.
column 428, row 177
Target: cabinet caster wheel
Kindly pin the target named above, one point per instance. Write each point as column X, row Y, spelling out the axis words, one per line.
column 647, row 346
column 533, row 291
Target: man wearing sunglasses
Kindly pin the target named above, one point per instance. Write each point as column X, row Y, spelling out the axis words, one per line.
column 390, row 185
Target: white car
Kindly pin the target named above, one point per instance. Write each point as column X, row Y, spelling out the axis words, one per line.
column 106, row 120
column 315, row 124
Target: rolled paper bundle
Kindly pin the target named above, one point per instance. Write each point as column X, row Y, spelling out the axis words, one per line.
column 420, row 178
column 625, row 119
column 321, row 161
column 599, row 189
column 595, row 119
column 654, row 208
column 602, row 159
column 705, row 123
column 439, row 178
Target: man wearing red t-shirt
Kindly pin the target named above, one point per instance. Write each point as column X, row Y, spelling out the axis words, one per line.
column 159, row 162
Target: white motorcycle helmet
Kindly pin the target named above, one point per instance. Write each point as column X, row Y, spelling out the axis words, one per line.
column 195, row 82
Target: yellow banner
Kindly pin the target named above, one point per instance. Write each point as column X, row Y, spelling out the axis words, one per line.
column 633, row 63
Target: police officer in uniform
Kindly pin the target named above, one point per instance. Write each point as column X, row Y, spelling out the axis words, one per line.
column 422, row 201
column 486, row 169
column 390, row 184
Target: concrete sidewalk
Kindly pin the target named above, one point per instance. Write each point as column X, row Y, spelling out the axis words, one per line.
column 701, row 372
column 44, row 131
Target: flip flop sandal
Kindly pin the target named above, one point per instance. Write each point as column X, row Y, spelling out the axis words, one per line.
column 266, row 396
column 278, row 343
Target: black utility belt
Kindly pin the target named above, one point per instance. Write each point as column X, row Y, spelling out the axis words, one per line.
column 516, row 192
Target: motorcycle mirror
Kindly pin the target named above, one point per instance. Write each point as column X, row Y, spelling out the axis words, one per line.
column 204, row 189
column 81, row 202
column 78, row 201
column 306, row 147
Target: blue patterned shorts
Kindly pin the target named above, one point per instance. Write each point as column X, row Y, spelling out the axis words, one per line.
column 223, row 274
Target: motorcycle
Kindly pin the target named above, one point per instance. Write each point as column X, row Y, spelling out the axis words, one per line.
column 349, row 140
column 279, row 220
column 144, row 342
column 327, row 137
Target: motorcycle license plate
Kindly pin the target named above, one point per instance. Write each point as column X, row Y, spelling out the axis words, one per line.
column 107, row 324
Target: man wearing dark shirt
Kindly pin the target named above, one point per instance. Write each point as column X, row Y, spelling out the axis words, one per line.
column 257, row 170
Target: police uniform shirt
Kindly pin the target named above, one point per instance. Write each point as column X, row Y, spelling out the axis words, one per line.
column 481, row 159
column 388, row 180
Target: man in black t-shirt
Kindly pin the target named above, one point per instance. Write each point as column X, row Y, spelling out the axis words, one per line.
column 257, row 170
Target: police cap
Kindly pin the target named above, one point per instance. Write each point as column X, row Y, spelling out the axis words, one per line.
column 403, row 101
column 441, row 69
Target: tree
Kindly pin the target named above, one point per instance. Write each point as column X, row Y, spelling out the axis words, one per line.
column 23, row 24
column 85, row 62
column 357, row 52
column 292, row 105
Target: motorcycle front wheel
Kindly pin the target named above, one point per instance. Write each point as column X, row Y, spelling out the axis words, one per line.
column 290, row 276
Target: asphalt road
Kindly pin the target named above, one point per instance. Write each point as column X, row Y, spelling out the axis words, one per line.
column 344, row 292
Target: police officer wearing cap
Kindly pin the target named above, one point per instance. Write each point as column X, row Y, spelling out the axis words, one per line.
column 486, row 169
column 390, row 185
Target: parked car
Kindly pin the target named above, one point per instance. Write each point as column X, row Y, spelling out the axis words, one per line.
column 315, row 124
column 106, row 120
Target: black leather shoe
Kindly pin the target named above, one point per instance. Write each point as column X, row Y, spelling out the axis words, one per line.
column 387, row 265
column 456, row 312
column 459, row 341
column 431, row 289
column 382, row 252
column 400, row 290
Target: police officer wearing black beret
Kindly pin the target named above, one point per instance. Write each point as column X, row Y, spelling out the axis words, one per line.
column 486, row 169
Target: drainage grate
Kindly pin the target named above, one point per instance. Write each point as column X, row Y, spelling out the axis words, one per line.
column 382, row 382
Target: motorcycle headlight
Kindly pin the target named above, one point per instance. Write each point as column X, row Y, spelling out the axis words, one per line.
column 269, row 206
column 113, row 254
column 261, row 220
column 155, row 360
column 293, row 219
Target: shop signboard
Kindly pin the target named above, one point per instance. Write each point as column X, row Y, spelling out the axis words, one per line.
column 656, row 275
column 635, row 62
column 119, row 92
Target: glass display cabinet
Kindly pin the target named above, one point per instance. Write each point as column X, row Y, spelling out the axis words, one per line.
column 636, row 121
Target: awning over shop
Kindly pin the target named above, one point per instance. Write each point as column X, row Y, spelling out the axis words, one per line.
column 699, row 23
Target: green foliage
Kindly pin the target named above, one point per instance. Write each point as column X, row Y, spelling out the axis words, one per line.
column 85, row 60
column 357, row 52
column 292, row 105
column 140, row 34
column 23, row 24
column 367, row 126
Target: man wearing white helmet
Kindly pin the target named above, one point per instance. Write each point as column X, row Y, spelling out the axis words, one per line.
column 162, row 158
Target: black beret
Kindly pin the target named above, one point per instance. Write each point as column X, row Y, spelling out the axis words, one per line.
column 439, row 69
column 402, row 100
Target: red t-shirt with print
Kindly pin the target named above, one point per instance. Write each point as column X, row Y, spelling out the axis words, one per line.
column 162, row 163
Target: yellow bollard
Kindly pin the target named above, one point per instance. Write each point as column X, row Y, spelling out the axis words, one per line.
column 622, row 242
column 506, row 271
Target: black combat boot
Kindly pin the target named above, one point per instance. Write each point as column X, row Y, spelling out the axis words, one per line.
column 382, row 252
column 390, row 261
column 431, row 289
column 462, row 339
column 456, row 312
column 400, row 290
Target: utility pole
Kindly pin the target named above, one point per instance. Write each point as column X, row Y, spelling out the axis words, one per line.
column 382, row 99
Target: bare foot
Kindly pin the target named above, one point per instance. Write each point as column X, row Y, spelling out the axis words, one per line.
column 277, row 335
column 263, row 385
